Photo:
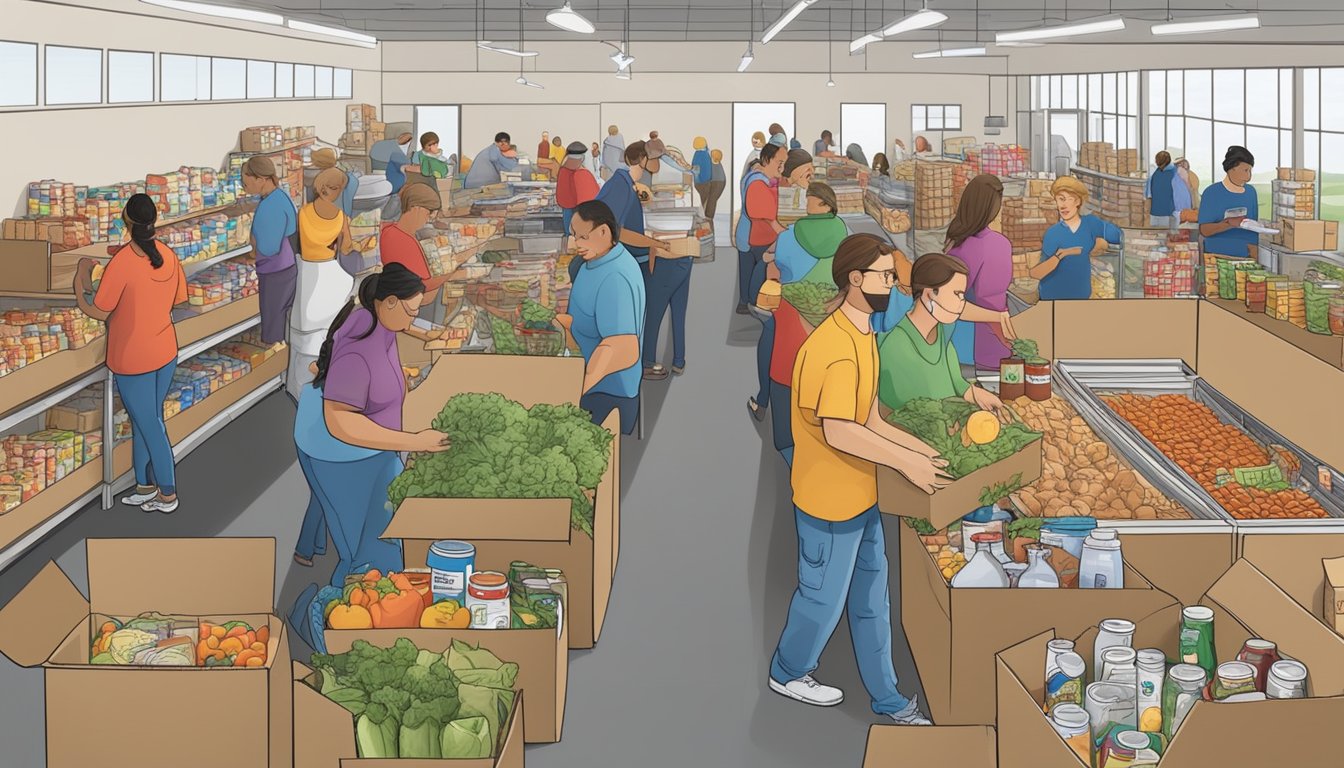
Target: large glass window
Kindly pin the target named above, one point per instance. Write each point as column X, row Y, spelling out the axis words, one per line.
column 935, row 117
column 228, row 79
column 130, row 77
column 284, row 81
column 184, row 78
column 74, row 75
column 865, row 125
column 1323, row 118
column 260, row 80
column 18, row 88
column 1110, row 99
column 343, row 83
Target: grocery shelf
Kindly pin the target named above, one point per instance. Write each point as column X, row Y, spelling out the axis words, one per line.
column 1329, row 349
column 229, row 319
column 287, row 146
column 51, row 372
column 196, row 267
column 30, row 522
column 57, row 396
column 1102, row 175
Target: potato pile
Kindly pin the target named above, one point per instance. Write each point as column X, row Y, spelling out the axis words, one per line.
column 949, row 559
column 1079, row 474
column 1200, row 444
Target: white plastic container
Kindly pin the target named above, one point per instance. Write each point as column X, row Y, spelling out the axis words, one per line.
column 1118, row 665
column 1152, row 672
column 1071, row 722
column 1113, row 632
column 1102, row 565
column 1039, row 574
column 983, row 570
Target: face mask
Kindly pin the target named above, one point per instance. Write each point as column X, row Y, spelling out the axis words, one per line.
column 877, row 301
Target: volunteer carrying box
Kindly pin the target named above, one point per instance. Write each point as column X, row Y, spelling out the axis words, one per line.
column 156, row 716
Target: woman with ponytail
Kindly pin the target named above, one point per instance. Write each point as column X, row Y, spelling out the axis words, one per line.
column 135, row 297
column 348, row 427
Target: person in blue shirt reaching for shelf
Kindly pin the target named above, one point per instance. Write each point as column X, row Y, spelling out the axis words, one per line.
column 1065, row 269
column 1225, row 205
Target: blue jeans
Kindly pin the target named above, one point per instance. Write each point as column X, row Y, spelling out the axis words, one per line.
column 601, row 404
column 746, row 264
column 765, row 345
column 313, row 531
column 841, row 566
column 353, row 499
column 781, row 416
column 566, row 214
column 669, row 288
column 151, row 453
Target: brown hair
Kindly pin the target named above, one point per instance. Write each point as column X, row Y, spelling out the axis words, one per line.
column 776, row 128
column 634, row 152
column 980, row 204
column 261, row 167
column 1163, row 159
column 427, row 138
column 331, row 178
column 855, row 253
column 796, row 159
column 823, row 192
column 934, row 270
column 420, row 195
column 324, row 158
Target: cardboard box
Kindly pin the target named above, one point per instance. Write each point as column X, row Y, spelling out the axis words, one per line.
column 1309, row 234
column 73, row 418
column 25, row 261
column 324, row 735
column 1183, row 558
column 355, row 140
column 962, row 746
column 684, row 246
column 1296, row 174
column 1144, row 329
column 153, row 712
column 1245, row 604
column 534, row 530
column 954, row 633
column 355, row 113
column 1334, row 593
column 898, row 496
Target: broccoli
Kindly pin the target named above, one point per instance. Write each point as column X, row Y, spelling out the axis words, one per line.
column 810, row 299
column 422, row 727
column 376, row 732
column 430, row 682
column 537, row 315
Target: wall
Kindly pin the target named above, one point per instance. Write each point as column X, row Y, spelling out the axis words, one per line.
column 103, row 144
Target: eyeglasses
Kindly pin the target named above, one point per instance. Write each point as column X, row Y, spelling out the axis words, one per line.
column 888, row 275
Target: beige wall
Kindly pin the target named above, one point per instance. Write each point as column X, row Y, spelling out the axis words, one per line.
column 104, row 144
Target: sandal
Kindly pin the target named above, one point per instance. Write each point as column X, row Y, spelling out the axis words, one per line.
column 755, row 409
column 655, row 373
column 677, row 370
column 304, row 561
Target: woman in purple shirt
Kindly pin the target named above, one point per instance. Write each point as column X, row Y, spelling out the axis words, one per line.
column 989, row 263
column 360, row 380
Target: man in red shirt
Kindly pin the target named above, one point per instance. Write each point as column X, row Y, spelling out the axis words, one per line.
column 575, row 184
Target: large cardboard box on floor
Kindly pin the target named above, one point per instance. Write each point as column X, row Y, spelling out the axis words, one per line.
column 324, row 735
column 535, row 530
column 542, row 656
column 955, row 746
column 1246, row 604
column 954, row 633
column 156, row 717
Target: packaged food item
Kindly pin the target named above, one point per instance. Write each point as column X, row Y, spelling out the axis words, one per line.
column 1260, row 654
column 983, row 570
column 451, row 564
column 1038, row 573
column 1071, row 722
column 1184, row 686
column 1151, row 666
column 1064, row 686
column 1196, row 638
column 1114, row 632
column 1110, row 707
column 488, row 600
column 1233, row 677
column 1287, row 680
column 1102, row 565
column 1118, row 665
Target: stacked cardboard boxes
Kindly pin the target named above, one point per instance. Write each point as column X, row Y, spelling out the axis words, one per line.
column 1103, row 157
column 362, row 128
column 1294, row 199
column 934, row 197
column 1119, row 201
column 1025, row 220
column 958, row 146
column 1003, row 160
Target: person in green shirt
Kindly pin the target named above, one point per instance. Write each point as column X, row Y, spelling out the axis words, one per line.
column 432, row 163
column 917, row 358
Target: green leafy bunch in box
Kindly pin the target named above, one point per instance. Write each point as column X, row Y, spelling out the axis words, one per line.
column 940, row 422
column 810, row 298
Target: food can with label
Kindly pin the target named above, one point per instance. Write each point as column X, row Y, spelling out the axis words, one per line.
column 1036, row 374
column 488, row 600
column 451, row 564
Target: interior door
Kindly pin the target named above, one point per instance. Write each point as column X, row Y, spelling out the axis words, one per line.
column 1066, row 138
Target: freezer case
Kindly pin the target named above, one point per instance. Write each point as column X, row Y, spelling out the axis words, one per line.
column 1086, row 382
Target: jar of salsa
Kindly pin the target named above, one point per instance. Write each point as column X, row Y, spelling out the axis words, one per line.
column 1012, row 379
column 1036, row 374
column 1260, row 654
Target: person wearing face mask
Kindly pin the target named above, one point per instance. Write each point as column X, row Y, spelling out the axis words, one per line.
column 918, row 358
column 758, row 226
column 1225, row 205
column 1065, row 269
column 840, row 440
column 491, row 162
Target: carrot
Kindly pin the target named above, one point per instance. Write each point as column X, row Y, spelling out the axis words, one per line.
column 373, row 577
column 263, row 635
column 238, row 631
column 249, row 638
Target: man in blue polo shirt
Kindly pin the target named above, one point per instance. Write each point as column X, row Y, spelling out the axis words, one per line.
column 1227, row 204
column 491, row 162
column 606, row 316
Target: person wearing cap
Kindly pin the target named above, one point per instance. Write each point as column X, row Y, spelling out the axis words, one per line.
column 274, row 227
column 491, row 162
column 1065, row 269
column 822, row 146
column 326, row 158
column 613, row 152
column 574, row 184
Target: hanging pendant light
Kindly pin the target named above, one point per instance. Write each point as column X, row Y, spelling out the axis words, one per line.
column 568, row 19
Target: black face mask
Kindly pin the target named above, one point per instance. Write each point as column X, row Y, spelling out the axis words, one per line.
column 878, row 301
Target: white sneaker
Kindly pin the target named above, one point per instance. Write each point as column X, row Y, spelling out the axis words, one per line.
column 159, row 505
column 140, row 499
column 910, row 715
column 807, row 690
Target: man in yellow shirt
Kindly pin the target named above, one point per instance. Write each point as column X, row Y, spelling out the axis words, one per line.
column 839, row 441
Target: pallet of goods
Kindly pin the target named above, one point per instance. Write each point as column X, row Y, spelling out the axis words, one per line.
column 1103, row 157
column 958, row 146
column 1025, row 220
column 1294, row 199
column 1160, row 265
column 934, row 204
column 1003, row 160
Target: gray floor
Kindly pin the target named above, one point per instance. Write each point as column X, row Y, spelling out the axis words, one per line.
column 707, row 567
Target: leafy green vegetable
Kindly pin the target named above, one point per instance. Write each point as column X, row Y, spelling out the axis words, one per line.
column 1026, row 349
column 495, row 257
column 937, row 423
column 422, row 728
column 505, row 338
column 537, row 316
column 1025, row 528
column 467, row 738
column 376, row 732
column 502, row 450
column 811, row 299
column 998, row 491
column 920, row 525
column 492, row 704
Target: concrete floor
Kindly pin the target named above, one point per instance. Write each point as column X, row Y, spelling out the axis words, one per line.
column 708, row 563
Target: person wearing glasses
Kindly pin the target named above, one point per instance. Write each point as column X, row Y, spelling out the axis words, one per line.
column 918, row 358
column 840, row 439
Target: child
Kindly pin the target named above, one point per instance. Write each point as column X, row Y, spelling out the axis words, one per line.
column 432, row 163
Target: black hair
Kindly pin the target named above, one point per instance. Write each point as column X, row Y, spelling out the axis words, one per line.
column 597, row 213
column 769, row 151
column 1236, row 156
column 395, row 280
column 826, row 135
column 502, row 136
column 141, row 214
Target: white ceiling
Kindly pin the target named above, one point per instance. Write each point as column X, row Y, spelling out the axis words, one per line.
column 1315, row 21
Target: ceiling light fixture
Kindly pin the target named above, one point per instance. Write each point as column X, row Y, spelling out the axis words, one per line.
column 785, row 20
column 241, row 14
column 624, row 74
column 485, row 45
column 358, row 38
column 623, row 62
column 921, row 19
column 830, row 49
column 1249, row 21
column 568, row 19
column 747, row 58
column 950, row 53
column 1094, row 27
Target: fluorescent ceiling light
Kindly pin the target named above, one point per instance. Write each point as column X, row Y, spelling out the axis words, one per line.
column 785, row 20
column 922, row 19
column 1020, row 45
column 347, row 34
column 1099, row 26
column 524, row 81
column 747, row 58
column 950, row 53
column 486, row 46
column 1249, row 21
column 241, row 14
column 622, row 61
column 569, row 20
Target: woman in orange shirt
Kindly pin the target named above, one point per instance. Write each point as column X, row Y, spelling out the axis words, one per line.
column 135, row 297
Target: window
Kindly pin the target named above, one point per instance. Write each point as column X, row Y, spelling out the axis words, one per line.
column 184, row 78
column 1323, row 137
column 260, row 80
column 130, row 77
column 74, row 75
column 228, row 79
column 322, row 75
column 18, row 88
column 1110, row 99
column 284, row 81
column 865, row 125
column 342, row 84
column 935, row 117
column 303, row 81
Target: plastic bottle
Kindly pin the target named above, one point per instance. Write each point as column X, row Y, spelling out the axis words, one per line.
column 1152, row 672
column 1102, row 566
column 983, row 570
column 1113, row 632
column 1071, row 722
column 1118, row 665
column 1039, row 574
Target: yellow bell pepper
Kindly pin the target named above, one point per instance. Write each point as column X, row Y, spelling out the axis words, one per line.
column 447, row 614
column 350, row 617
